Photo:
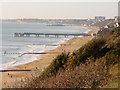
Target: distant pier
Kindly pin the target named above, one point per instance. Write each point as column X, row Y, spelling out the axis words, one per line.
column 48, row 34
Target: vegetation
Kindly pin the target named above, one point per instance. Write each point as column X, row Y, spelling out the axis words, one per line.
column 91, row 49
column 88, row 67
column 56, row 65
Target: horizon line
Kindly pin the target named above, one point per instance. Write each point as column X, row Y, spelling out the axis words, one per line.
column 55, row 18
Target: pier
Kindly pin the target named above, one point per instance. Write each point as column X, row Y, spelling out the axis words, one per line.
column 48, row 34
column 21, row 54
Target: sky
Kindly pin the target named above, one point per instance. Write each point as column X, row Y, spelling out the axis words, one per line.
column 55, row 10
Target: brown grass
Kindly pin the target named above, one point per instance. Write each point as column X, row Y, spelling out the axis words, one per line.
column 91, row 74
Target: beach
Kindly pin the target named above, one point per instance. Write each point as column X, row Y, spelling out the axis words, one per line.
column 13, row 75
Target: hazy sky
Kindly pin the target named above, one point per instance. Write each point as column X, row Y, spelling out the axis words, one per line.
column 12, row 10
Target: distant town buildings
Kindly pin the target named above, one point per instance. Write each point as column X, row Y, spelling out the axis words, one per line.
column 99, row 18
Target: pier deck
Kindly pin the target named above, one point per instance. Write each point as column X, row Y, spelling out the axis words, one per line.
column 48, row 34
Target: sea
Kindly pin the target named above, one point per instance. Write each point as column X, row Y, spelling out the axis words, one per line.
column 12, row 48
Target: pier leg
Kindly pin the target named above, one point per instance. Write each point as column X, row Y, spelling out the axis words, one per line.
column 46, row 35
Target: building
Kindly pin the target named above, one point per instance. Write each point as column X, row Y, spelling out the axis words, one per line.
column 99, row 18
column 116, row 25
column 117, row 18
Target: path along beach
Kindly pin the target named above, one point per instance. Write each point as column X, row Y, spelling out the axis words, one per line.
column 33, row 69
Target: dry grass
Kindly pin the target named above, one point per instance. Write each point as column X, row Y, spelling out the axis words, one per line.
column 89, row 75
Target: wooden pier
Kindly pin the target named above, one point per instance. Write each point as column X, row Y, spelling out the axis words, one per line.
column 21, row 54
column 48, row 34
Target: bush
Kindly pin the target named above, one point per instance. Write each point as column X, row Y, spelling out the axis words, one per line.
column 71, row 60
column 57, row 64
column 113, row 56
column 91, row 49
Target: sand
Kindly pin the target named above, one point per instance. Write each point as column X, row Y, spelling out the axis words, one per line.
column 18, row 74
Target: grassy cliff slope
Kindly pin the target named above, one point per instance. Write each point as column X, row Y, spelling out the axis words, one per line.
column 94, row 65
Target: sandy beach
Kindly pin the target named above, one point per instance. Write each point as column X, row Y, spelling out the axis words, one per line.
column 33, row 69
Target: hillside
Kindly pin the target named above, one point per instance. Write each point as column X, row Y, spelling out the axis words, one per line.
column 94, row 65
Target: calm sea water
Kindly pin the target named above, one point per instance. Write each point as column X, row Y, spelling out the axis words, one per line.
column 19, row 45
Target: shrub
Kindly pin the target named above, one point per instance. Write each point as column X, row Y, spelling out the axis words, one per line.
column 91, row 49
column 57, row 64
column 113, row 56
column 71, row 60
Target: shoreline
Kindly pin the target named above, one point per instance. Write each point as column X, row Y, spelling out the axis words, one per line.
column 33, row 69
column 32, row 60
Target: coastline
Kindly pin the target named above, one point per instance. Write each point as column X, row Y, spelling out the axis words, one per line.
column 14, row 61
column 33, row 69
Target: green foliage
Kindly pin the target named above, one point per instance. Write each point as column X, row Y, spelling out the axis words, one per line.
column 71, row 60
column 114, row 84
column 117, row 32
column 57, row 64
column 91, row 49
column 113, row 56
column 115, row 45
column 95, row 84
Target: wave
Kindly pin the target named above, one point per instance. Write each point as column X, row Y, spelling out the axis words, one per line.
column 8, row 64
column 26, row 58
column 33, row 48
